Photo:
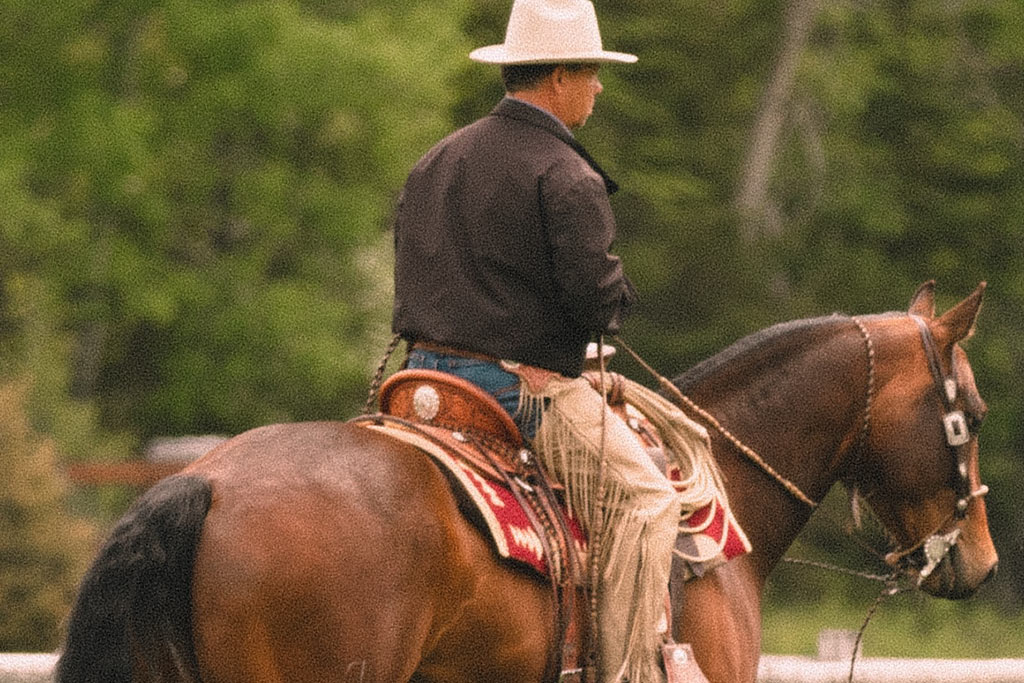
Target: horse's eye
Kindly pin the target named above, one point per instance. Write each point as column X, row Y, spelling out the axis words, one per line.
column 974, row 421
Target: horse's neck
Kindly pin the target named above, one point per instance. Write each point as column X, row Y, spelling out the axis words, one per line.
column 798, row 404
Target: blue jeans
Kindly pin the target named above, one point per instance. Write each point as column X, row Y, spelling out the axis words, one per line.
column 491, row 377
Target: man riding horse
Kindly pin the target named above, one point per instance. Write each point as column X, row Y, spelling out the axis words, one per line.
column 503, row 275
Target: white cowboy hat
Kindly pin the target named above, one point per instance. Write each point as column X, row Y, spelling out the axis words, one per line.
column 550, row 32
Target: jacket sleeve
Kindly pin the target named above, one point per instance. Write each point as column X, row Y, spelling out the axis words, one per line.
column 593, row 287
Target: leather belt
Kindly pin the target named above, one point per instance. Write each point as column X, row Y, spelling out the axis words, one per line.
column 452, row 351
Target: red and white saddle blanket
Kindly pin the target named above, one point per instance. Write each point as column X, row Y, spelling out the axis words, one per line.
column 508, row 524
column 712, row 536
column 430, row 407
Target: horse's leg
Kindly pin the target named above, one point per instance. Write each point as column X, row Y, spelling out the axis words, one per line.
column 503, row 629
column 721, row 618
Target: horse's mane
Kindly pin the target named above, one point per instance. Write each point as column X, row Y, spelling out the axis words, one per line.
column 757, row 341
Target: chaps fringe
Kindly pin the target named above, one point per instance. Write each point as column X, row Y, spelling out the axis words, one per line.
column 635, row 556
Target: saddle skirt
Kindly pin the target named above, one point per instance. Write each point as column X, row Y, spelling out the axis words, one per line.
column 468, row 434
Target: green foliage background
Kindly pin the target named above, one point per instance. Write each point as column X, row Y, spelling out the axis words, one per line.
column 41, row 547
column 197, row 194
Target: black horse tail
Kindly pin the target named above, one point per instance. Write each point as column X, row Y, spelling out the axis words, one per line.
column 134, row 606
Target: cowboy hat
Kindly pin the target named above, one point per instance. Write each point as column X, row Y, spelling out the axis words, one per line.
column 550, row 32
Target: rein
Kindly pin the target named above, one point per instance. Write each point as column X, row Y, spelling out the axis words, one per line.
column 746, row 450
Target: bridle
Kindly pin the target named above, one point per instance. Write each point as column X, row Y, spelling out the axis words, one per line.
column 958, row 434
column 928, row 553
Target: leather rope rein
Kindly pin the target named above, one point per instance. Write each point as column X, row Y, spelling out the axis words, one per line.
column 953, row 421
column 596, row 532
column 749, row 452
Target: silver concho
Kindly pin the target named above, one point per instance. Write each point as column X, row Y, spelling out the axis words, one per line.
column 426, row 402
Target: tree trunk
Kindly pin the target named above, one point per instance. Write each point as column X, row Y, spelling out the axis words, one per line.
column 760, row 216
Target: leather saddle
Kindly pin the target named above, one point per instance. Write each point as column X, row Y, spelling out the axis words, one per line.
column 459, row 413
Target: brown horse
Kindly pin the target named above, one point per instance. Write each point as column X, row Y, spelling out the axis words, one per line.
column 326, row 552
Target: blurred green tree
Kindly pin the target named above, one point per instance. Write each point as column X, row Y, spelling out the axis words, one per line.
column 37, row 248
column 228, row 169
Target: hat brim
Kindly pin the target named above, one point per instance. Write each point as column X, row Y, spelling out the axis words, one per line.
column 498, row 54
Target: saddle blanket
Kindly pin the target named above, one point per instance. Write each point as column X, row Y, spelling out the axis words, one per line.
column 510, row 530
column 515, row 539
column 710, row 532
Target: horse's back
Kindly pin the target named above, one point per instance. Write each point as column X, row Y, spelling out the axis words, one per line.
column 329, row 538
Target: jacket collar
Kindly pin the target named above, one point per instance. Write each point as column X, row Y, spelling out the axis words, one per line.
column 512, row 108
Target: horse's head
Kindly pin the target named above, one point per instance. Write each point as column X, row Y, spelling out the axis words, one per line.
column 919, row 468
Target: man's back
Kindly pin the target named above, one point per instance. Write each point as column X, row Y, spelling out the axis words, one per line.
column 501, row 243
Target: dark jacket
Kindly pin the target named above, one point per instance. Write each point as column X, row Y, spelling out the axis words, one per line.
column 501, row 244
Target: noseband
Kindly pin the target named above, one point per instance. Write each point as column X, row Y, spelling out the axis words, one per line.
column 936, row 546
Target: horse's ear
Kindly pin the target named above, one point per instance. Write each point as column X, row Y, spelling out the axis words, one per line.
column 923, row 301
column 959, row 320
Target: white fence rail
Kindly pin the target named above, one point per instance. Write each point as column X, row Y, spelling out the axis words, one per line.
column 38, row 668
column 26, row 668
column 780, row 669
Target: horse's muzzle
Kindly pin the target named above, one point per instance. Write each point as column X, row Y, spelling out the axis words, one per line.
column 955, row 577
